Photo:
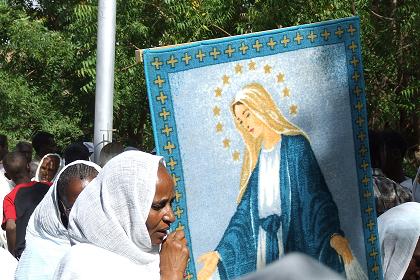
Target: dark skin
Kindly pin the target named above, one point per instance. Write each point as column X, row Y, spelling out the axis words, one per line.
column 413, row 270
column 174, row 252
column 48, row 169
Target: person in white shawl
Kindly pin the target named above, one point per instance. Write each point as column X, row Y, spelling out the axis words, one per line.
column 399, row 233
column 121, row 220
column 49, row 167
column 8, row 265
column 46, row 235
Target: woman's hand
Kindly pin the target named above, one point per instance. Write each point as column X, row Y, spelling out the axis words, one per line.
column 341, row 245
column 209, row 261
column 174, row 256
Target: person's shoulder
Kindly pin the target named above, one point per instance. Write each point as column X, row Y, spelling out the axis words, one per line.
column 299, row 142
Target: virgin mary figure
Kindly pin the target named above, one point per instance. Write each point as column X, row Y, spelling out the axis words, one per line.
column 284, row 202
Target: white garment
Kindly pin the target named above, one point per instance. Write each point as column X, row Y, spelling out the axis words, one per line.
column 399, row 232
column 61, row 165
column 7, row 265
column 87, row 262
column 269, row 202
column 111, row 214
column 6, row 187
column 46, row 237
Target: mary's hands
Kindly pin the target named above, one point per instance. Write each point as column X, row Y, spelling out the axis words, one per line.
column 174, row 256
column 341, row 245
column 209, row 261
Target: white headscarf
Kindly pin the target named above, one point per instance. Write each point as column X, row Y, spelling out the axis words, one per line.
column 399, row 232
column 46, row 237
column 112, row 212
column 61, row 165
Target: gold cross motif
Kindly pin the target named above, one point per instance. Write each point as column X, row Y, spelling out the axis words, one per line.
column 365, row 180
column 353, row 46
column 361, row 136
column 355, row 76
column 357, row 91
column 178, row 196
column 180, row 226
column 312, row 36
column 189, row 276
column 373, row 253
column 225, row 79
column 372, row 238
column 367, row 194
column 229, row 51
column 325, row 34
column 375, row 268
column 285, row 41
column 369, row 210
column 360, row 121
column 236, row 155
column 359, row 106
column 363, row 151
column 286, row 92
column 164, row 114
column 257, row 46
column 267, row 69
column 162, row 97
column 172, row 61
column 351, row 29
column 370, row 225
column 271, row 43
column 364, row 165
column 215, row 53
column 200, row 55
column 354, row 61
column 219, row 127
column 169, row 147
column 280, row 78
column 175, row 179
column 167, row 130
column 298, row 38
column 339, row 32
column 157, row 63
column 216, row 111
column 252, row 65
column 244, row 48
column 178, row 212
column 186, row 58
column 172, row 163
column 159, row 81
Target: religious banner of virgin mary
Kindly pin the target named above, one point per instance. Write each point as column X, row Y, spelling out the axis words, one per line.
column 265, row 136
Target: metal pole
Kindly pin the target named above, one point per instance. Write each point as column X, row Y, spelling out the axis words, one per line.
column 104, row 75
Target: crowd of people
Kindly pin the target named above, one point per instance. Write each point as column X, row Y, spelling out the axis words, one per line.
column 54, row 226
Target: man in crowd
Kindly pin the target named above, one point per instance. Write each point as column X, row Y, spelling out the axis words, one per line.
column 25, row 148
column 19, row 204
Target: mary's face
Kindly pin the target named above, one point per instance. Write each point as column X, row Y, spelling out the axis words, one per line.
column 248, row 120
column 161, row 215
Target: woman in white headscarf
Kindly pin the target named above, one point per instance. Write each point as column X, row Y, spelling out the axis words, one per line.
column 119, row 223
column 48, row 168
column 399, row 233
column 46, row 235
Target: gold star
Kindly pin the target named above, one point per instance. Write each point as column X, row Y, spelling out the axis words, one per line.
column 238, row 68
column 219, row 127
column 251, row 65
column 236, row 155
column 216, row 111
column 226, row 143
column 286, row 92
column 293, row 109
column 225, row 79
column 280, row 78
column 218, row 92
column 267, row 69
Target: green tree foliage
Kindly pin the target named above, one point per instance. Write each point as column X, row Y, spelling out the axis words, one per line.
column 49, row 52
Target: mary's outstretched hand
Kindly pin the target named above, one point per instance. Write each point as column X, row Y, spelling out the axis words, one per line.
column 209, row 261
column 341, row 245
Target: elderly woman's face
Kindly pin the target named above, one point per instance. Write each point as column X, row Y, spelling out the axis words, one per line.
column 248, row 120
column 413, row 270
column 161, row 215
column 49, row 167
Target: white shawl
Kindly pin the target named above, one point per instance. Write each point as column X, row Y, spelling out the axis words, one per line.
column 399, row 231
column 46, row 237
column 7, row 265
column 38, row 169
column 111, row 214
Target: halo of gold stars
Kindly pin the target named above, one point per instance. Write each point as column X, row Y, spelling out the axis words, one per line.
column 240, row 68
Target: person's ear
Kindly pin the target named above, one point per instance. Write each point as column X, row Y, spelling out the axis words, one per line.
column 28, row 167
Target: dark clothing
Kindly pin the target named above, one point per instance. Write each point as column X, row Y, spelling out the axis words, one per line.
column 18, row 205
